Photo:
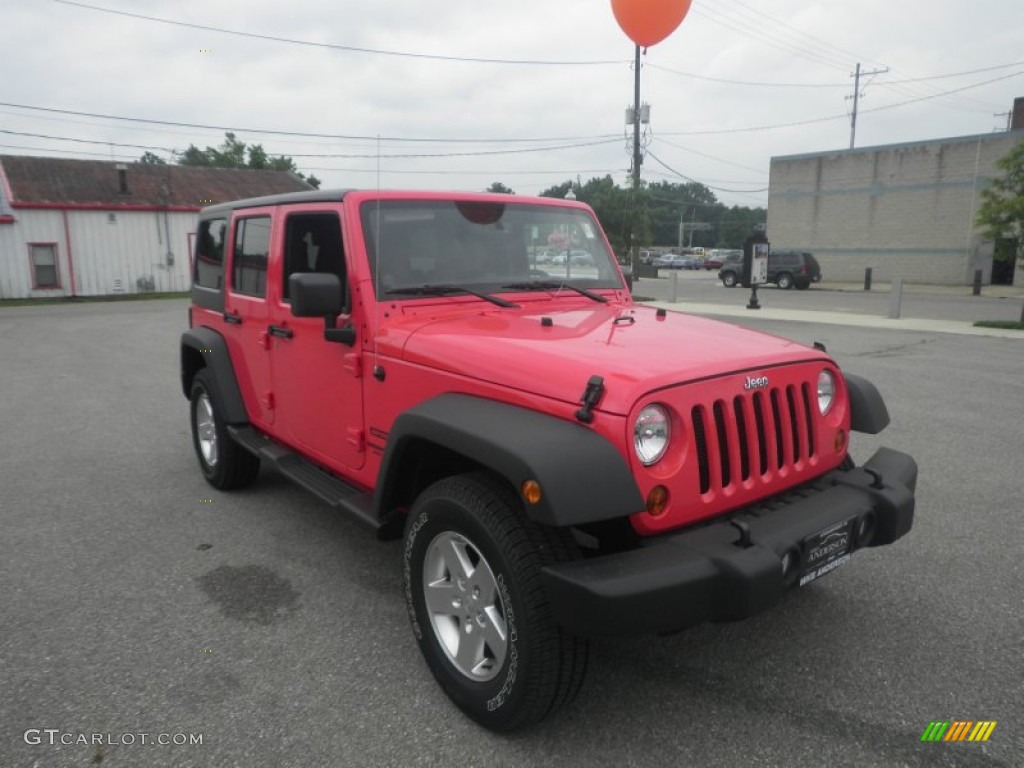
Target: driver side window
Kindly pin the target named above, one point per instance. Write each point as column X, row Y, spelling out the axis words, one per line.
column 313, row 243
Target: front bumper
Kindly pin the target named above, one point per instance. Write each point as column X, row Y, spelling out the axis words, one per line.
column 717, row 572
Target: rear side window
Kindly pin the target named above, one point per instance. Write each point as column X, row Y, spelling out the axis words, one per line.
column 209, row 261
column 249, row 259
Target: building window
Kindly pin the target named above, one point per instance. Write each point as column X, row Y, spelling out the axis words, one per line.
column 43, row 257
column 249, row 259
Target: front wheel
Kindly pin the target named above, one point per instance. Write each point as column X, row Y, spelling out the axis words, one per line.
column 224, row 463
column 479, row 612
column 729, row 279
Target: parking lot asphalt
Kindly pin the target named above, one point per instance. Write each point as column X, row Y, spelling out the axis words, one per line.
column 136, row 599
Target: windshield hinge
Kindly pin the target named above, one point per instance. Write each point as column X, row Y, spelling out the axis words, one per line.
column 591, row 397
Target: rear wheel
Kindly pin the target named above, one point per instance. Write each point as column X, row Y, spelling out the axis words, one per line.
column 224, row 463
column 478, row 608
column 785, row 281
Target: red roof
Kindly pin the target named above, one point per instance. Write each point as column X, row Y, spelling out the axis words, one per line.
column 60, row 182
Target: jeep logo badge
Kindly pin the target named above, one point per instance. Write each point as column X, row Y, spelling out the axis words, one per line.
column 755, row 383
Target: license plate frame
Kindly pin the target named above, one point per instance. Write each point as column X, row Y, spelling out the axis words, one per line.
column 826, row 550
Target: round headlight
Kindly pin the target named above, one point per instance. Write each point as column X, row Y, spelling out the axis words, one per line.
column 651, row 434
column 826, row 391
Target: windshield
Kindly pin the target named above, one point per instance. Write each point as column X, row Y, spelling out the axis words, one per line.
column 483, row 245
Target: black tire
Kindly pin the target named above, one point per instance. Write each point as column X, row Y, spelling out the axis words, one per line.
column 224, row 463
column 784, row 281
column 729, row 280
column 542, row 666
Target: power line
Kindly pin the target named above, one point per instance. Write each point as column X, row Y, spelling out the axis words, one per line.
column 370, row 156
column 694, row 181
column 349, row 48
column 711, row 157
column 887, row 83
column 826, row 49
column 745, row 82
column 84, row 141
column 270, row 131
column 813, row 120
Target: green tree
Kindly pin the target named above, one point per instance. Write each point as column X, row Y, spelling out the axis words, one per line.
column 148, row 158
column 500, row 189
column 1001, row 214
column 1001, row 211
column 233, row 153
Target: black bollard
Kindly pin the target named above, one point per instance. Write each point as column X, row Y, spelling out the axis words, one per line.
column 867, row 279
column 977, row 282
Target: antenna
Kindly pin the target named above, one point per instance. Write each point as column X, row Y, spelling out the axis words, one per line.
column 378, row 372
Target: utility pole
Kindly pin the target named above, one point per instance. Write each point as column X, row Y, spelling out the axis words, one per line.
column 856, row 97
column 636, row 119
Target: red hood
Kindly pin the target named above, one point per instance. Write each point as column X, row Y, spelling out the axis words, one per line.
column 514, row 348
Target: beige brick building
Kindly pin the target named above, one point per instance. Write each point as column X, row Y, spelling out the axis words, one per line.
column 905, row 210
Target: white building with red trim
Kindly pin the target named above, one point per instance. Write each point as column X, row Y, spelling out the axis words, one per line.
column 94, row 228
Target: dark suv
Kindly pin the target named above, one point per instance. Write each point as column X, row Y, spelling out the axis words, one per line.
column 785, row 269
column 789, row 268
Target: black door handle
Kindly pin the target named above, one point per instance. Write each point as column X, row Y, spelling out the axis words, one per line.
column 232, row 319
column 281, row 333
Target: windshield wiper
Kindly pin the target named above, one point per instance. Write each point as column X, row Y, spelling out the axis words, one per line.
column 443, row 290
column 554, row 285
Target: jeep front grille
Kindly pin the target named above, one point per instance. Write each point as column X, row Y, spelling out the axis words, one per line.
column 753, row 436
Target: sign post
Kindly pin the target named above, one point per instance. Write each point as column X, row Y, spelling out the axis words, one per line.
column 755, row 266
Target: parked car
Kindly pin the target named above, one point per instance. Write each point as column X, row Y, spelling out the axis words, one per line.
column 731, row 269
column 551, row 479
column 785, row 268
column 576, row 258
column 793, row 268
column 716, row 258
column 675, row 261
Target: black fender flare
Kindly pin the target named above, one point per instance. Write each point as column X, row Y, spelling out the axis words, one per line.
column 205, row 348
column 583, row 478
column 868, row 413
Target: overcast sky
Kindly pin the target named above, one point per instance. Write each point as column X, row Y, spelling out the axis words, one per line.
column 717, row 85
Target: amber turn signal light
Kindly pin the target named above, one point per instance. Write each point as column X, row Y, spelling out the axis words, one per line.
column 657, row 501
column 840, row 441
column 531, row 491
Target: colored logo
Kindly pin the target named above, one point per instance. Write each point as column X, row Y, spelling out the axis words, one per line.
column 958, row 730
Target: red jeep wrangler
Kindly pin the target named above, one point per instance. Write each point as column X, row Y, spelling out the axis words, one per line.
column 561, row 462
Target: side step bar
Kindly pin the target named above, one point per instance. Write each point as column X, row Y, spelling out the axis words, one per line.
column 337, row 493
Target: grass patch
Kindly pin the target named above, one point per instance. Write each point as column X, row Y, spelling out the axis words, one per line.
column 91, row 299
column 640, row 299
column 1007, row 324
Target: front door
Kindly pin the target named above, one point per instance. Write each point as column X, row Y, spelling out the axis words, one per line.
column 317, row 383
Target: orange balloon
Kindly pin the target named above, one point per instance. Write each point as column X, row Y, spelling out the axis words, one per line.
column 647, row 22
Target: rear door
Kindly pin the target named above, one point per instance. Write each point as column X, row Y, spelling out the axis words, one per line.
column 247, row 311
column 318, row 384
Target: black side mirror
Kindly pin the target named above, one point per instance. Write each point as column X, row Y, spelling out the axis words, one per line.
column 318, row 294
column 315, row 294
